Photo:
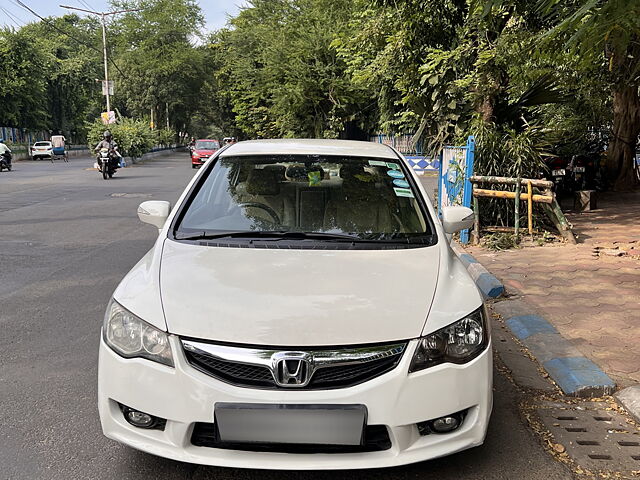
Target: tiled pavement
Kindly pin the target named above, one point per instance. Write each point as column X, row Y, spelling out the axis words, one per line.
column 593, row 300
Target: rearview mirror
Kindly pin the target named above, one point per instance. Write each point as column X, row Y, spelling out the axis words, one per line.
column 154, row 212
column 456, row 218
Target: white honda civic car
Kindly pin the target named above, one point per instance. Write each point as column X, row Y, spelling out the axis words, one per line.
column 300, row 309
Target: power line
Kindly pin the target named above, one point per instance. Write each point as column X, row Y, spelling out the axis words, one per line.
column 15, row 20
column 103, row 16
column 87, row 4
column 15, row 16
column 52, row 25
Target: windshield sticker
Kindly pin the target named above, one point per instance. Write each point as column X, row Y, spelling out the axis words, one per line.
column 314, row 179
column 377, row 163
column 395, row 174
column 403, row 192
column 393, row 166
column 401, row 183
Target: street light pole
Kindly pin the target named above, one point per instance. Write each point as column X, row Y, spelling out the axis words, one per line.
column 102, row 16
column 106, row 70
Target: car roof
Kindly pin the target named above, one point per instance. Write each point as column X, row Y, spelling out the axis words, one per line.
column 206, row 140
column 351, row 148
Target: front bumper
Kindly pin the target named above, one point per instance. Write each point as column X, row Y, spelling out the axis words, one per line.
column 397, row 400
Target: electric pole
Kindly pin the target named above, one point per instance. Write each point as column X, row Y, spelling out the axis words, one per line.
column 102, row 16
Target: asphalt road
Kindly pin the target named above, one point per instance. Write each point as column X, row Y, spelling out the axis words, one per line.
column 67, row 237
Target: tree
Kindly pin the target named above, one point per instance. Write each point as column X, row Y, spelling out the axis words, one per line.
column 160, row 67
column 69, row 46
column 281, row 70
column 22, row 95
column 608, row 32
column 604, row 33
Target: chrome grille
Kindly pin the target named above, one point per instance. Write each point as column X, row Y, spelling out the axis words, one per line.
column 324, row 368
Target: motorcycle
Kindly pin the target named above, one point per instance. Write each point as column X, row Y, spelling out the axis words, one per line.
column 5, row 161
column 108, row 162
column 557, row 173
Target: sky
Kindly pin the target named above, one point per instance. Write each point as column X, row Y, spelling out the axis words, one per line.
column 11, row 14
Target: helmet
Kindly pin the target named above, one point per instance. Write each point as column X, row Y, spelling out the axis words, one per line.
column 106, row 134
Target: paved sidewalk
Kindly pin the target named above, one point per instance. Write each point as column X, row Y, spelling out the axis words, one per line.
column 591, row 291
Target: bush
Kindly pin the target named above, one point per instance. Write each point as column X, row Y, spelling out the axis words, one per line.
column 134, row 138
column 165, row 137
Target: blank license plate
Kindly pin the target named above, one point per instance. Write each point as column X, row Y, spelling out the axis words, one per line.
column 293, row 424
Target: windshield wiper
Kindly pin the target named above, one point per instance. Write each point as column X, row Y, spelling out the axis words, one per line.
column 277, row 235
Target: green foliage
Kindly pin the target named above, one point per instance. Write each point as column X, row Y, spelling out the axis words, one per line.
column 134, row 137
column 21, row 94
column 160, row 67
column 164, row 137
column 280, row 70
column 47, row 79
column 442, row 69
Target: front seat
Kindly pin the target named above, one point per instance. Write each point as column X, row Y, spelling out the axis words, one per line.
column 359, row 206
column 262, row 187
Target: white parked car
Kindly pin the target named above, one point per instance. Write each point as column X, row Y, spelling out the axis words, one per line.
column 300, row 309
column 42, row 150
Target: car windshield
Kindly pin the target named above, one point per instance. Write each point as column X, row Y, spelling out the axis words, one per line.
column 207, row 145
column 361, row 198
column 42, row 144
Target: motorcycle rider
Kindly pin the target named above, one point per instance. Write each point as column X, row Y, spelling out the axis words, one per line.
column 108, row 143
column 5, row 151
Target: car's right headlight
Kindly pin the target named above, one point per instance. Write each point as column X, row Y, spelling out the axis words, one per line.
column 460, row 342
column 130, row 336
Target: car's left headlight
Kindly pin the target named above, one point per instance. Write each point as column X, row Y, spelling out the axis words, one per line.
column 459, row 342
column 132, row 337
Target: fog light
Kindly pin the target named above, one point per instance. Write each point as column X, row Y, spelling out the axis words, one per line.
column 445, row 424
column 139, row 419
column 142, row 420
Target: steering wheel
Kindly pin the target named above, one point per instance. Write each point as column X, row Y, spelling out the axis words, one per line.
column 272, row 213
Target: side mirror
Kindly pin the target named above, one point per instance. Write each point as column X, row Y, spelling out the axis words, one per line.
column 455, row 219
column 154, row 212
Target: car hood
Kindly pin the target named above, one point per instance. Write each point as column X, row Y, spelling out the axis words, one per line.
column 283, row 297
column 205, row 152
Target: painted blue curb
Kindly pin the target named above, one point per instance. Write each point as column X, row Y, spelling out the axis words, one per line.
column 575, row 374
column 579, row 376
column 487, row 283
column 524, row 326
column 467, row 259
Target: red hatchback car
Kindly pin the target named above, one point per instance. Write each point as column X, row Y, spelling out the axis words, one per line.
column 202, row 150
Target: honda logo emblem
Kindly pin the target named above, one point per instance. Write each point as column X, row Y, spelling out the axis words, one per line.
column 292, row 369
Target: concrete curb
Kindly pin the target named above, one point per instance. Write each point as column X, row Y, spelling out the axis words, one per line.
column 575, row 374
column 629, row 398
column 488, row 284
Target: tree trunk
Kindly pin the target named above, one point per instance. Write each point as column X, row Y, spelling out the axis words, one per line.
column 622, row 147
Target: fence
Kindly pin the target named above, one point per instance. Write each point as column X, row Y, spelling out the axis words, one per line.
column 28, row 137
column 21, row 135
column 414, row 153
